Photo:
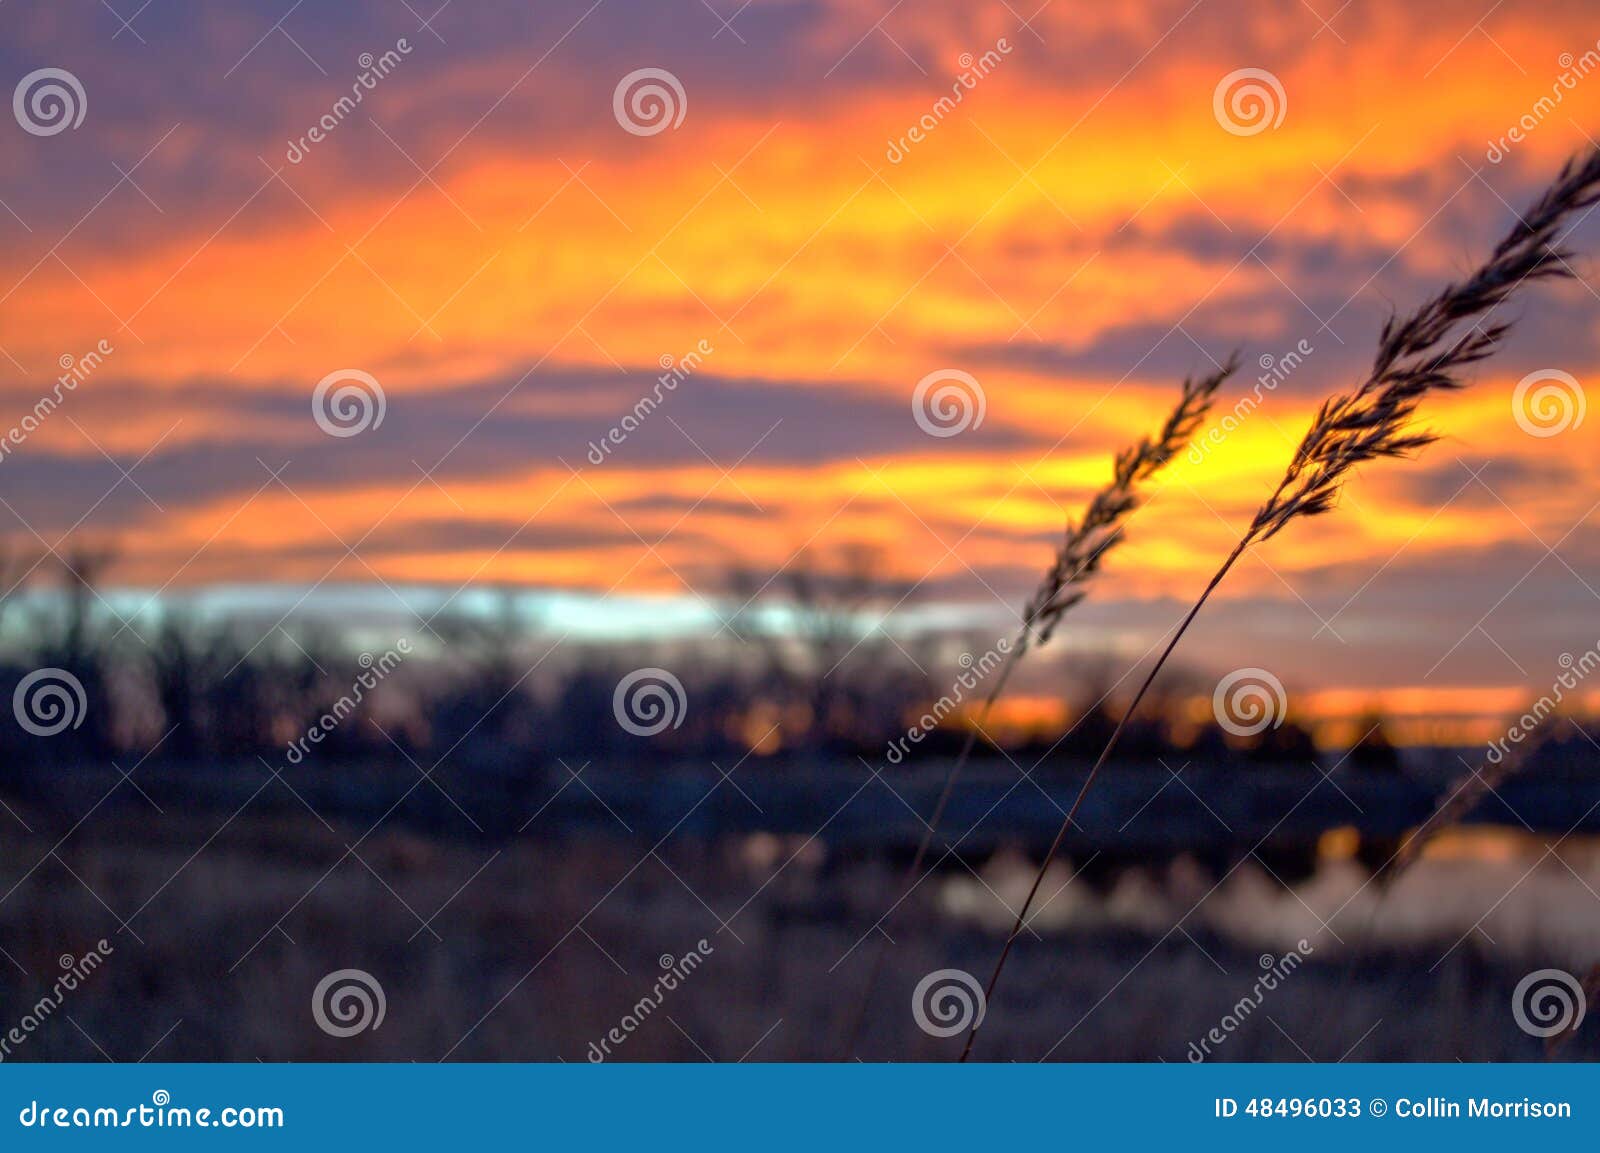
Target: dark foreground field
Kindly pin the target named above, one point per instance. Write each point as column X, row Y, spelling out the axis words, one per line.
column 535, row 946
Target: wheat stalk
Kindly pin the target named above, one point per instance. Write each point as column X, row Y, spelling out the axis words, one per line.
column 1077, row 559
column 1460, row 801
column 1416, row 356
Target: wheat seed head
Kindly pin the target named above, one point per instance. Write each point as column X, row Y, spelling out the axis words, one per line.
column 1087, row 540
column 1418, row 355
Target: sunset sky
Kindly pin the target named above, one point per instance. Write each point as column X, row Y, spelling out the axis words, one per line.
column 486, row 238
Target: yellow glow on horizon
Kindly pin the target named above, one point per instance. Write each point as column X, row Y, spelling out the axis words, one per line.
column 1064, row 240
